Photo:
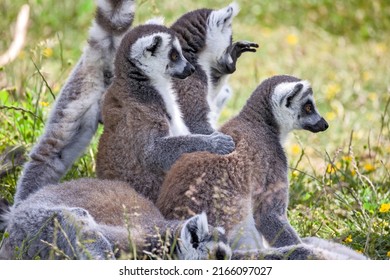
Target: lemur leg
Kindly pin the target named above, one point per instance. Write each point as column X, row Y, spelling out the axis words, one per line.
column 270, row 214
column 76, row 113
column 59, row 233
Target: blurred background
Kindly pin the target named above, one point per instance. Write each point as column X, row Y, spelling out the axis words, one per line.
column 340, row 179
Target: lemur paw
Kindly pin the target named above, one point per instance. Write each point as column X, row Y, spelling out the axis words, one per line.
column 229, row 60
column 222, row 144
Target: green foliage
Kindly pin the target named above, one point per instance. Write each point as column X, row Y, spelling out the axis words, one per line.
column 340, row 179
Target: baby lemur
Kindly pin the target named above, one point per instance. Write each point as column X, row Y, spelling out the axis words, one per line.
column 246, row 192
column 74, row 119
column 144, row 132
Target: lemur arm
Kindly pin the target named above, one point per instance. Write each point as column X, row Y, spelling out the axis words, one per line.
column 227, row 62
column 162, row 152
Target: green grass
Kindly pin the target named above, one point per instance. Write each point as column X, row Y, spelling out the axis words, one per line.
column 340, row 178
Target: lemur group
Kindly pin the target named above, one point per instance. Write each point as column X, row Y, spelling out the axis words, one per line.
column 170, row 182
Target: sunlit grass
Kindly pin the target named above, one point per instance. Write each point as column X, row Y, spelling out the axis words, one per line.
column 340, row 179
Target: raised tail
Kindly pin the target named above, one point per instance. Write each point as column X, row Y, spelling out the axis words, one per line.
column 76, row 113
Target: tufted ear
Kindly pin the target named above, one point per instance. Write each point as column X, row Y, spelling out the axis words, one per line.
column 285, row 93
column 194, row 230
column 290, row 96
column 151, row 48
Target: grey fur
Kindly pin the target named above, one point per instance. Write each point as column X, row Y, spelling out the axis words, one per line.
column 138, row 145
column 76, row 113
column 101, row 219
column 246, row 192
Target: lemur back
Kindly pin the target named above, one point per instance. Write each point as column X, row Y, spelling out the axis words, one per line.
column 76, row 112
column 144, row 133
column 102, row 219
column 246, row 192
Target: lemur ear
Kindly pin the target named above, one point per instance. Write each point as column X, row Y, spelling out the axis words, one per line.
column 194, row 230
column 297, row 89
column 152, row 48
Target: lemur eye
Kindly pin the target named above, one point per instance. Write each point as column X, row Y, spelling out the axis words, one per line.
column 174, row 56
column 308, row 108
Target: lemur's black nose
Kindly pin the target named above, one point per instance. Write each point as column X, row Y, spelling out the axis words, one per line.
column 325, row 124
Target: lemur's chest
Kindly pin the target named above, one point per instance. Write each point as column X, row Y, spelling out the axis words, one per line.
column 177, row 126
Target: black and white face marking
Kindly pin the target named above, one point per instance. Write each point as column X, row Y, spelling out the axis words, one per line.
column 199, row 241
column 294, row 108
column 160, row 54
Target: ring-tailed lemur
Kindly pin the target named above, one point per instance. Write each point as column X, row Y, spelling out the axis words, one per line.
column 76, row 113
column 206, row 39
column 246, row 191
column 144, row 132
column 102, row 219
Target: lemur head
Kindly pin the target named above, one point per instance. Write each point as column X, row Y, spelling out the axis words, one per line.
column 293, row 105
column 199, row 241
column 153, row 51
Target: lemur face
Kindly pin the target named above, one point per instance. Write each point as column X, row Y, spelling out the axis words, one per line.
column 294, row 107
column 199, row 241
column 160, row 54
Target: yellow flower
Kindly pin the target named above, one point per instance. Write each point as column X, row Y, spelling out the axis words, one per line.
column 330, row 168
column 367, row 76
column 359, row 251
column 47, row 52
column 373, row 96
column 348, row 239
column 295, row 173
column 332, row 90
column 44, row 104
column 385, row 207
column 369, row 167
column 295, row 149
column 330, row 116
column 347, row 158
column 292, row 39
column 388, row 254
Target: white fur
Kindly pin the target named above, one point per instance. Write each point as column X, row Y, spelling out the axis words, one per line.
column 285, row 116
column 156, row 20
column 217, row 40
column 156, row 71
